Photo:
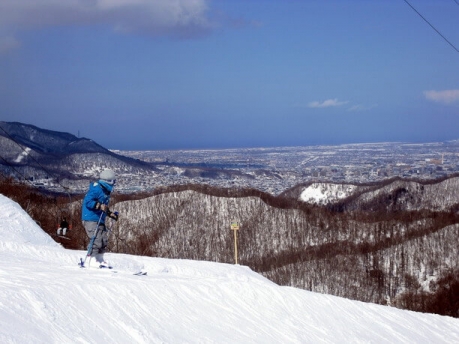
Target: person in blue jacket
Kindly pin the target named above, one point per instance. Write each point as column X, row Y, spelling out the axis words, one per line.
column 94, row 211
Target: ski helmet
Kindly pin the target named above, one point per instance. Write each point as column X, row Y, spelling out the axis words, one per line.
column 108, row 176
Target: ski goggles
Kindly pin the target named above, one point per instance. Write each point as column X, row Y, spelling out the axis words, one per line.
column 111, row 181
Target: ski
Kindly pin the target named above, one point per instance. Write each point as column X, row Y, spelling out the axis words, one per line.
column 140, row 273
column 111, row 269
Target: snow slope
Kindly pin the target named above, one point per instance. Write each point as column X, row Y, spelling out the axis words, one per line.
column 46, row 298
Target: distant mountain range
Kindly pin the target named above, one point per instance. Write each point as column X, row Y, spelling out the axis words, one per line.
column 48, row 142
column 31, row 152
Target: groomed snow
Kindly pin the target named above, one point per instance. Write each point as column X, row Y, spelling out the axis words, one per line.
column 46, row 298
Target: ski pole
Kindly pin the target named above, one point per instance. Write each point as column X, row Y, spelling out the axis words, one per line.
column 109, row 229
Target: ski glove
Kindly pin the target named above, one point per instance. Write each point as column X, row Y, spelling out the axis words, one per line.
column 101, row 206
column 113, row 215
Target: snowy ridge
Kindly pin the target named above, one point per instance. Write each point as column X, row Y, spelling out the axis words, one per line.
column 46, row 298
column 410, row 195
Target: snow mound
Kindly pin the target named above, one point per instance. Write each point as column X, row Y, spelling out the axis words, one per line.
column 324, row 193
column 46, row 298
column 18, row 229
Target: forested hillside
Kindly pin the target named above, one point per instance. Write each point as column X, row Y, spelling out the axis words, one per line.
column 396, row 243
column 375, row 256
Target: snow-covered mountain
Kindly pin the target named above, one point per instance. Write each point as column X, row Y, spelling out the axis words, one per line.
column 40, row 154
column 46, row 298
column 48, row 142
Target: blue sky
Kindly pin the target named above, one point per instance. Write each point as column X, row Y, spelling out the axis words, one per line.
column 179, row 74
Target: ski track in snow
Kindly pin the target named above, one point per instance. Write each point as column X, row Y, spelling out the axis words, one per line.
column 46, row 298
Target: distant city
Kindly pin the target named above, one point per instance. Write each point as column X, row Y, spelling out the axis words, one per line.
column 275, row 170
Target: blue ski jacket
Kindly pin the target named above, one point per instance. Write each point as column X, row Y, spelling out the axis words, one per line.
column 99, row 192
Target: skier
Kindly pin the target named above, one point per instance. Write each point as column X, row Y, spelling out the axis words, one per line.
column 64, row 226
column 93, row 214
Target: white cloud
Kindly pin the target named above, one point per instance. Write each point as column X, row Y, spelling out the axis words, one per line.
column 327, row 103
column 445, row 97
column 175, row 18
